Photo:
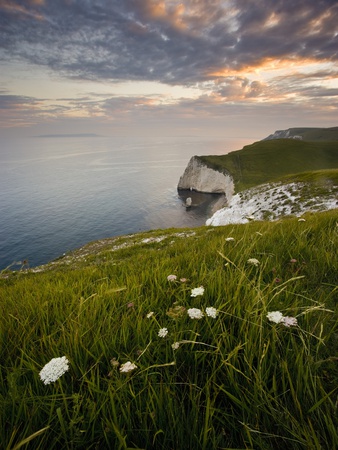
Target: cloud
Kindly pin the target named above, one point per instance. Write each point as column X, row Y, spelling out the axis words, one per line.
column 17, row 110
column 243, row 58
column 178, row 43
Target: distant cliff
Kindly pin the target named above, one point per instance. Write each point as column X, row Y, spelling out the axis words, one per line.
column 201, row 178
column 306, row 134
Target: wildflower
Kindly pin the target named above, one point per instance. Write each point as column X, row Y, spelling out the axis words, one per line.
column 53, row 370
column 130, row 305
column 211, row 312
column 171, row 277
column 229, row 239
column 289, row 321
column 275, row 316
column 183, row 280
column 163, row 332
column 151, row 313
column 277, row 280
column 293, row 260
column 175, row 345
column 253, row 261
column 195, row 313
column 127, row 367
column 197, row 291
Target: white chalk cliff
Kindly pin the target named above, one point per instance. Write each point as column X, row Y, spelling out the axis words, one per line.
column 273, row 201
column 201, row 178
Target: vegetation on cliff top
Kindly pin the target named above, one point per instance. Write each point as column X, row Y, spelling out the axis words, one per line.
column 269, row 160
column 252, row 365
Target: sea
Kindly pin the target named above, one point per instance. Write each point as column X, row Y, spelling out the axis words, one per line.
column 58, row 193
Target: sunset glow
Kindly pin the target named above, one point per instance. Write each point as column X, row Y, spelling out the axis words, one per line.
column 188, row 64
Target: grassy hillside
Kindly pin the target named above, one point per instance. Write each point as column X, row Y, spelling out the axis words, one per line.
column 231, row 379
column 265, row 161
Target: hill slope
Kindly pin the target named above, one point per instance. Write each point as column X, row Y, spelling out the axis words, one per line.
column 247, row 361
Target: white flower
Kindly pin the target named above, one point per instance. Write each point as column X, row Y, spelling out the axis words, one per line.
column 289, row 321
column 195, row 313
column 175, row 345
column 211, row 312
column 229, row 239
column 171, row 277
column 197, row 291
column 253, row 261
column 163, row 332
column 275, row 316
column 150, row 314
column 127, row 367
column 54, row 369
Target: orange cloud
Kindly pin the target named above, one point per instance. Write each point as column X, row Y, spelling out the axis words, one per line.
column 14, row 8
column 163, row 10
column 189, row 15
column 263, row 66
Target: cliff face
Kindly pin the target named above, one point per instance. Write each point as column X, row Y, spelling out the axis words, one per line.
column 199, row 177
column 284, row 134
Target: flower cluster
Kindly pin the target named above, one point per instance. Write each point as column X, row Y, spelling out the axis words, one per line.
column 253, row 262
column 195, row 313
column 171, row 277
column 277, row 317
column 211, row 312
column 53, row 370
column 289, row 321
column 163, row 332
column 197, row 291
column 127, row 367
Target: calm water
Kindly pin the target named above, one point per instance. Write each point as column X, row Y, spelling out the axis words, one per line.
column 57, row 194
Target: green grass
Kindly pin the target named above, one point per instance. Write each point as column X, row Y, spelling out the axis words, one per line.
column 236, row 382
column 266, row 161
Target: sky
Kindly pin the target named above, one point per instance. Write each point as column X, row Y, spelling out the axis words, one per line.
column 212, row 68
